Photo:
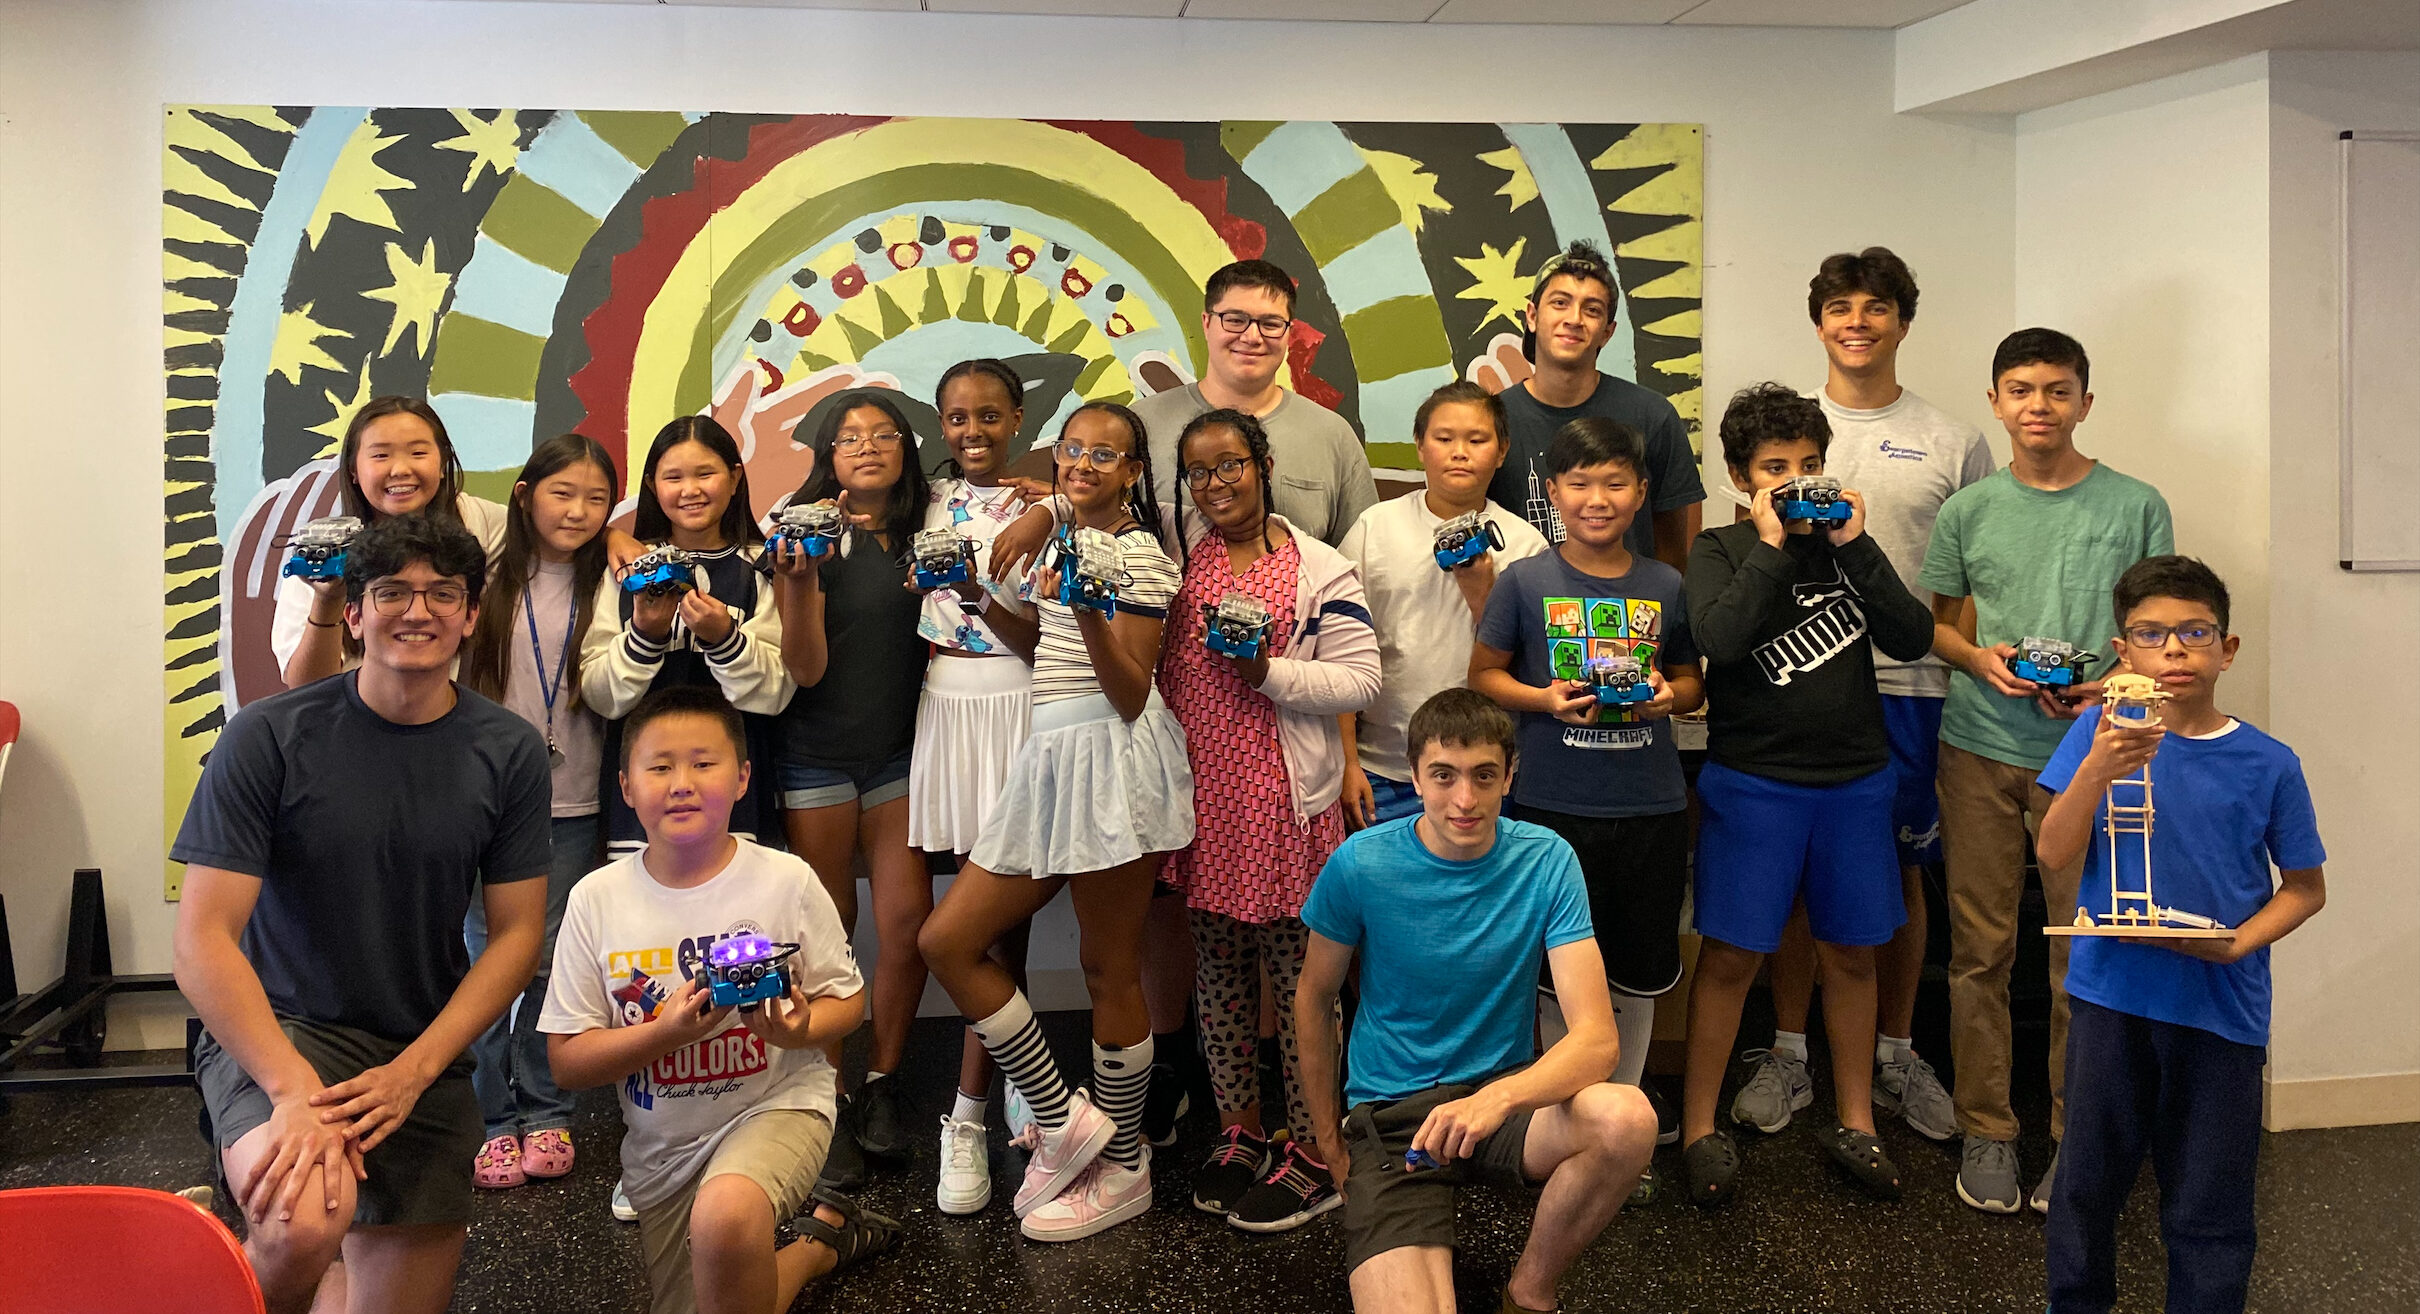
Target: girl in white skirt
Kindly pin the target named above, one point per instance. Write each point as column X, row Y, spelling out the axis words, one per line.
column 976, row 709
column 1097, row 798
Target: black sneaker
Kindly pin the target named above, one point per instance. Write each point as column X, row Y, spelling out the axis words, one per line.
column 1296, row 1191
column 1667, row 1123
column 1239, row 1160
column 882, row 1114
column 844, row 1163
column 1164, row 1103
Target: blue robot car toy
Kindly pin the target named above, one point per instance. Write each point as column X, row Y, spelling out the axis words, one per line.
column 1090, row 570
column 942, row 557
column 2055, row 663
column 1620, row 681
column 319, row 548
column 1238, row 626
column 814, row 528
column 665, row 570
column 1465, row 539
column 1812, row 497
column 746, row 970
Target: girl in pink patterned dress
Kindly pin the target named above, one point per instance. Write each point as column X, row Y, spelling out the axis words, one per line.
column 1268, row 762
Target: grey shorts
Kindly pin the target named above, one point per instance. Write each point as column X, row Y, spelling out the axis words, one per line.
column 421, row 1173
column 1385, row 1207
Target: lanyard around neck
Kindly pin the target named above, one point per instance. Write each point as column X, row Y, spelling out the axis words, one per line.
column 549, row 689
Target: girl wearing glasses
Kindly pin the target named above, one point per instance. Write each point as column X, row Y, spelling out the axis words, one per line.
column 1268, row 765
column 541, row 595
column 1097, row 798
column 849, row 641
column 693, row 495
column 976, row 710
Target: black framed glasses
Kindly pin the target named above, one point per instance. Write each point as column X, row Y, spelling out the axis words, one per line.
column 2196, row 635
column 850, row 442
column 1197, row 477
column 1236, row 321
column 1101, row 458
column 392, row 600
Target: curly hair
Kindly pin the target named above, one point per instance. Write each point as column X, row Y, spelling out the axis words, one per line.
column 1764, row 413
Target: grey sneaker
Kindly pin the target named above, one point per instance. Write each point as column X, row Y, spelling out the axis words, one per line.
column 1987, row 1176
column 1776, row 1089
column 1912, row 1090
column 2041, row 1190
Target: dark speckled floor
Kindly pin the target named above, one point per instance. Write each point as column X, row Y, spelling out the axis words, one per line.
column 2340, row 1228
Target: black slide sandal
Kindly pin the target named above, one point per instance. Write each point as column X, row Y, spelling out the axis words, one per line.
column 1713, row 1164
column 1861, row 1156
column 862, row 1233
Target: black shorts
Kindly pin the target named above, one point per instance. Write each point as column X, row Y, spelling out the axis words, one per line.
column 1387, row 1208
column 421, row 1173
column 1637, row 870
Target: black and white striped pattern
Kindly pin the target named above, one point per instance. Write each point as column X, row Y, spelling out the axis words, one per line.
column 1014, row 1040
column 1121, row 1077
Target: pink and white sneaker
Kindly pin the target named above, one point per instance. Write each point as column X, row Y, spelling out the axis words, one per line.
column 1057, row 1156
column 547, row 1153
column 499, row 1164
column 1101, row 1197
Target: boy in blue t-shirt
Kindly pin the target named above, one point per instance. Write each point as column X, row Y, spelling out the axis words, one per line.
column 2168, row 1036
column 1452, row 912
column 1605, row 776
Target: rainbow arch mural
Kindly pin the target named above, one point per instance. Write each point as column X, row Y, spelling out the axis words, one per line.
column 533, row 272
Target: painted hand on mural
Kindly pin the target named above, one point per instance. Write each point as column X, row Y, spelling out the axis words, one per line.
column 763, row 413
column 1503, row 366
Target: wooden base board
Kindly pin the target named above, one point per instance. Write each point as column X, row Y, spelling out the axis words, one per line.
column 2141, row 932
column 2340, row 1101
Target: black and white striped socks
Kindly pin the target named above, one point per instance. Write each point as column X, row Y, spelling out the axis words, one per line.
column 1014, row 1040
column 1121, row 1078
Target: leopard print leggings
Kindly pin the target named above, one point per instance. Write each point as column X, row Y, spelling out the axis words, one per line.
column 1229, row 958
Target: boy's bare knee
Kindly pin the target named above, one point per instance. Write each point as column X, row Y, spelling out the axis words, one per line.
column 1614, row 1118
column 731, row 1215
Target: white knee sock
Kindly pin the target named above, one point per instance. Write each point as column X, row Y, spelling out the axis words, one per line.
column 1634, row 1020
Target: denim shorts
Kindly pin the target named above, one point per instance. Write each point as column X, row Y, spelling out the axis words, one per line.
column 871, row 784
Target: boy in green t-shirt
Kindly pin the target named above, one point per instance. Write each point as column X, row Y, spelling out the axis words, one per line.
column 2037, row 546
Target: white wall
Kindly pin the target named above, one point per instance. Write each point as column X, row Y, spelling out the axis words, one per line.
column 1804, row 157
column 2342, row 692
column 2142, row 229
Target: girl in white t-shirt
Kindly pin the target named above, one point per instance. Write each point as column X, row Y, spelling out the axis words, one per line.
column 1097, row 798
column 541, row 595
column 395, row 460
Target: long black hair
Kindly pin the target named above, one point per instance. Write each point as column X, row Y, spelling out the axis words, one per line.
column 651, row 525
column 1256, row 441
column 441, row 508
column 1141, row 503
column 905, row 513
column 487, row 659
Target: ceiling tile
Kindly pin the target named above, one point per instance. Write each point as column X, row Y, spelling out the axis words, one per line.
column 1561, row 11
column 1364, row 11
column 1815, row 13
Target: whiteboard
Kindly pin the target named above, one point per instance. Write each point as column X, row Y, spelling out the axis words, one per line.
column 2378, row 436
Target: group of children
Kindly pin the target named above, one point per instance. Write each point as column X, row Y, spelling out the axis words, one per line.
column 723, row 757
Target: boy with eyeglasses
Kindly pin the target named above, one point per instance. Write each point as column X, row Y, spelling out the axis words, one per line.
column 2036, row 546
column 1322, row 482
column 337, row 837
column 1570, row 318
column 2169, row 1036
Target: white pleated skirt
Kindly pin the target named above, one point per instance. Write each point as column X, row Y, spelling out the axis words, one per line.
column 970, row 721
column 1090, row 791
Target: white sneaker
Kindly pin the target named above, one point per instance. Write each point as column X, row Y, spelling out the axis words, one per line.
column 1101, row 1197
column 623, row 1210
column 966, row 1168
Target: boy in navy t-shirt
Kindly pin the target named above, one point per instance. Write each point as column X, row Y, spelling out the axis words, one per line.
column 1604, row 776
column 1452, row 912
column 2167, row 1039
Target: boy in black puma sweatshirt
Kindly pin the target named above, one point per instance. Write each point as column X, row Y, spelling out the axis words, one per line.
column 1796, row 794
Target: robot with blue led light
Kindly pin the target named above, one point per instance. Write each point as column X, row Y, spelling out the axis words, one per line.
column 319, row 548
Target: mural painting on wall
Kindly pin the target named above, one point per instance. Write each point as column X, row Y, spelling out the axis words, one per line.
column 533, row 272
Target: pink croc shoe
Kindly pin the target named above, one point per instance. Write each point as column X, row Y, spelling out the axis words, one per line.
column 499, row 1164
column 547, row 1153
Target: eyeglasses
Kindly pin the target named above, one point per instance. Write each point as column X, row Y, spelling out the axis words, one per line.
column 395, row 599
column 1197, row 477
column 851, row 442
column 1102, row 458
column 1236, row 321
column 2156, row 636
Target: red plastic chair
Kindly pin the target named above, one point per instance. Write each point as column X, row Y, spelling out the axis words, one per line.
column 118, row 1250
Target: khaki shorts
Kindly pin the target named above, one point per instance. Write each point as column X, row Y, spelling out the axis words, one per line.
column 780, row 1150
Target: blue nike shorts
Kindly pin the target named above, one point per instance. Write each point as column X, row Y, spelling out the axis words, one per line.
column 1763, row 845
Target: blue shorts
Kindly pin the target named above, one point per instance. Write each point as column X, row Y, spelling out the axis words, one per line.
column 1763, row 845
column 1913, row 725
column 1392, row 800
column 871, row 785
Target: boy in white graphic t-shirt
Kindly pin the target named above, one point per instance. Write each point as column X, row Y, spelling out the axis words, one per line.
column 728, row 1110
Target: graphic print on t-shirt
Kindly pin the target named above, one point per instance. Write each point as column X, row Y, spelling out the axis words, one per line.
column 1834, row 623
column 1580, row 630
column 643, row 982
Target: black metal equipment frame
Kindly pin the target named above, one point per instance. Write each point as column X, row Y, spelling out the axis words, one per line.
column 72, row 1011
